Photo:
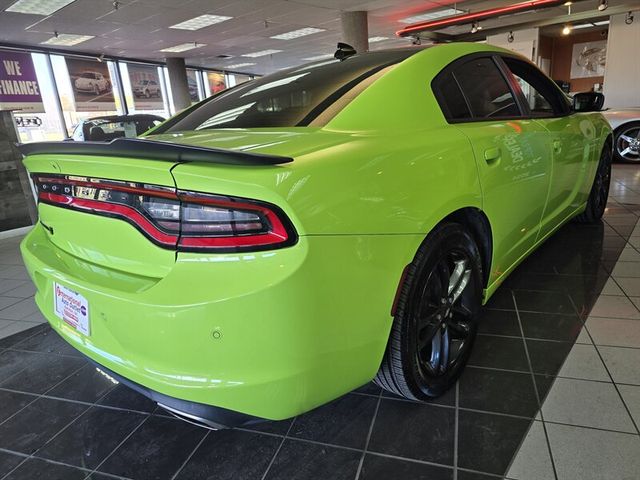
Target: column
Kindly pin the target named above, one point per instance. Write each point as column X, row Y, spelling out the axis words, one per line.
column 178, row 82
column 355, row 30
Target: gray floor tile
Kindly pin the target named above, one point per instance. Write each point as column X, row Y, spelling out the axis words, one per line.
column 35, row 317
column 629, row 254
column 26, row 290
column 614, row 331
column 636, row 301
column 7, row 301
column 587, row 404
column 14, row 327
column 623, row 363
column 611, row 288
column 584, row 338
column 630, row 286
column 20, row 310
column 8, row 284
column 631, row 396
column 610, row 306
column 14, row 272
column 584, row 362
column 532, row 462
column 588, row 454
column 626, row 269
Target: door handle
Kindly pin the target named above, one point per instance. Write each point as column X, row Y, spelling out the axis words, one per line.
column 492, row 155
column 557, row 146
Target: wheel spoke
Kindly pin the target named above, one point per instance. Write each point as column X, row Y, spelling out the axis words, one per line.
column 459, row 279
column 626, row 138
column 445, row 350
column 428, row 327
column 625, row 151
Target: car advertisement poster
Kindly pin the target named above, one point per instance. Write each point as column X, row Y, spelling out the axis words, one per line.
column 19, row 88
column 588, row 59
column 145, row 84
column 216, row 82
column 241, row 78
column 193, row 85
column 91, row 84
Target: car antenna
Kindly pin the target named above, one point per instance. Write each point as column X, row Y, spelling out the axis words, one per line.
column 344, row 51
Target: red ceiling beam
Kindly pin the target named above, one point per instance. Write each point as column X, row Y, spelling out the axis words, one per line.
column 477, row 16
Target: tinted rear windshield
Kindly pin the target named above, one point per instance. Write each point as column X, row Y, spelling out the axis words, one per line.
column 293, row 97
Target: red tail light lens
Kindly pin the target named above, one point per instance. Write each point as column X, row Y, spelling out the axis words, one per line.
column 184, row 220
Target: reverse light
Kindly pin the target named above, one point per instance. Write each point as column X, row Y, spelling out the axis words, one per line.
column 183, row 220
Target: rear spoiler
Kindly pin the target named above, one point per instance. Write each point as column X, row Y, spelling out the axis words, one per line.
column 152, row 150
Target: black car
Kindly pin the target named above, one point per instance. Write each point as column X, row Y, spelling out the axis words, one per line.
column 105, row 129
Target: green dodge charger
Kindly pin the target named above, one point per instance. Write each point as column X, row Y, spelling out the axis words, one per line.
column 288, row 240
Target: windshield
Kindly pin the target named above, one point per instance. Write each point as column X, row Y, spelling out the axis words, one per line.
column 289, row 98
column 88, row 75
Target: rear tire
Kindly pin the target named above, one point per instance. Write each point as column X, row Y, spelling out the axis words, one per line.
column 599, row 194
column 436, row 315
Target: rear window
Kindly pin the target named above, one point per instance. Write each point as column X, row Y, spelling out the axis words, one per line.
column 289, row 98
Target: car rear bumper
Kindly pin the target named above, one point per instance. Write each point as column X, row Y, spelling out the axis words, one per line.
column 267, row 334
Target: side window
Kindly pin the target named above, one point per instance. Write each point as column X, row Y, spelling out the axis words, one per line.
column 542, row 96
column 486, row 90
column 451, row 100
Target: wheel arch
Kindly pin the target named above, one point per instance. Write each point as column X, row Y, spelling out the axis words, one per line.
column 480, row 228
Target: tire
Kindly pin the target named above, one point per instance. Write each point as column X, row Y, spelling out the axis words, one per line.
column 627, row 143
column 599, row 194
column 414, row 366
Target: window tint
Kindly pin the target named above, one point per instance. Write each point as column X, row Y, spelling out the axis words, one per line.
column 288, row 98
column 542, row 96
column 451, row 100
column 485, row 89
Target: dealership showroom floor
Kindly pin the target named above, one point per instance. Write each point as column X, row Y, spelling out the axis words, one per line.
column 552, row 390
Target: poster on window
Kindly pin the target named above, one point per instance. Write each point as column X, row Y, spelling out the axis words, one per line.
column 19, row 88
column 91, row 84
column 193, row 85
column 145, row 84
column 588, row 59
column 241, row 78
column 216, row 82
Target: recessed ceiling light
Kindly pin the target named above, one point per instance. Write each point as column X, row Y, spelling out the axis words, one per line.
column 67, row 39
column 319, row 57
column 449, row 12
column 38, row 7
column 239, row 65
column 200, row 22
column 566, row 30
column 183, row 47
column 261, row 53
column 302, row 32
column 377, row 39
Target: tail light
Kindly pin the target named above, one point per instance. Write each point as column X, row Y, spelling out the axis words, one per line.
column 188, row 221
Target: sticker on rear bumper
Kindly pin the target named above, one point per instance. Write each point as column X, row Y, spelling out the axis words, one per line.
column 71, row 307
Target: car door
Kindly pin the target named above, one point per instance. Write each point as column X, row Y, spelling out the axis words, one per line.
column 571, row 136
column 512, row 153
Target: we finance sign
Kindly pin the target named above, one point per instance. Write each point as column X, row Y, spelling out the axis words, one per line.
column 19, row 88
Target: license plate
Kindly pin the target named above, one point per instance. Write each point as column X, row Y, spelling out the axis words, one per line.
column 71, row 307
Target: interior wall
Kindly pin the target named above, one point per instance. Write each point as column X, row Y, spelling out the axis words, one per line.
column 561, row 52
column 525, row 42
column 622, row 72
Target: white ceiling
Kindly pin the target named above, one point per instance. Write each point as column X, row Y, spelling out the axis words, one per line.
column 139, row 28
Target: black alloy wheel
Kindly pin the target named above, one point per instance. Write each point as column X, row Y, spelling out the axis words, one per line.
column 599, row 194
column 436, row 319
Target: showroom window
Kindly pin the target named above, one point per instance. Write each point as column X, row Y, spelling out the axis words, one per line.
column 87, row 88
column 144, row 89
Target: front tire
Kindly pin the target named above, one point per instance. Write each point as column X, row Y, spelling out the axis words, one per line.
column 599, row 194
column 436, row 316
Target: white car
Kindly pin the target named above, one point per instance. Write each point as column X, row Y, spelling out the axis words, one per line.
column 146, row 88
column 93, row 82
column 625, row 123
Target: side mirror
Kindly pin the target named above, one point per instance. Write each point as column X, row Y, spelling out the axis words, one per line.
column 588, row 102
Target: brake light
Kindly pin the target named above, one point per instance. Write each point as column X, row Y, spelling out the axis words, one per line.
column 188, row 221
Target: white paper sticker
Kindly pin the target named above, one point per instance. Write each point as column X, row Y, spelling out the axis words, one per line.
column 71, row 307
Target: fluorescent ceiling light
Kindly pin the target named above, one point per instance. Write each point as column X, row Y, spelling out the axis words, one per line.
column 183, row 47
column 239, row 65
column 200, row 22
column 67, row 39
column 377, row 39
column 591, row 24
column 449, row 12
column 302, row 32
column 601, row 22
column 261, row 53
column 318, row 57
column 38, row 7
